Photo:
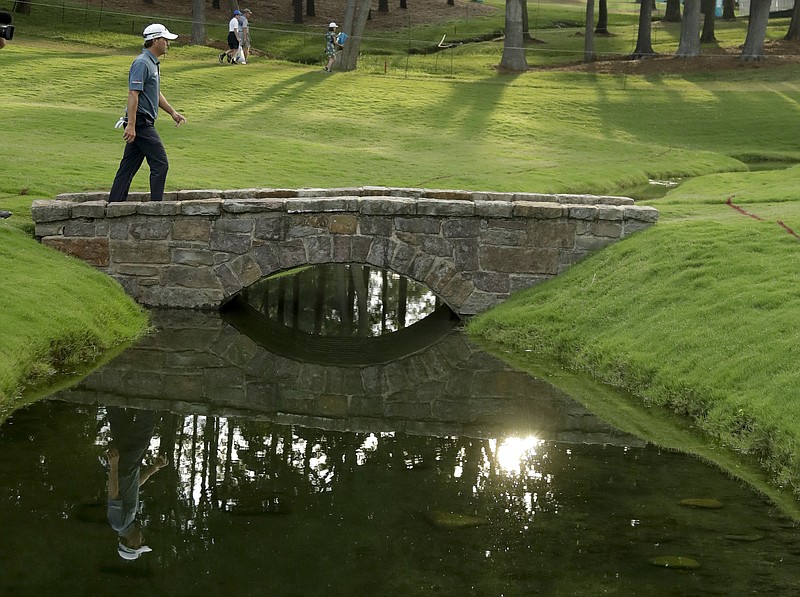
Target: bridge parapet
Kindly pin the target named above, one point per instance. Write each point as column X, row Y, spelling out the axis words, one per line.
column 198, row 248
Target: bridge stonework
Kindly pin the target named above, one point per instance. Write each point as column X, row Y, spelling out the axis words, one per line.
column 197, row 249
column 201, row 365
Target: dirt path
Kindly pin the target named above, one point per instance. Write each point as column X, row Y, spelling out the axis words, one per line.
column 271, row 12
column 778, row 53
column 280, row 11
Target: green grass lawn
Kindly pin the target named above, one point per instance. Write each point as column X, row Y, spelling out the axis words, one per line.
column 698, row 313
column 59, row 317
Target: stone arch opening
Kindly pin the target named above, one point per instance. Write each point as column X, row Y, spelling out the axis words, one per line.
column 437, row 273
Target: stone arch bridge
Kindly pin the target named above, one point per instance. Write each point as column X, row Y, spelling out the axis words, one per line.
column 198, row 248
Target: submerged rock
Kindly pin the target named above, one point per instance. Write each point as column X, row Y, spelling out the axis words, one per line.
column 745, row 537
column 451, row 520
column 706, row 503
column 676, row 562
column 92, row 512
column 266, row 508
column 125, row 571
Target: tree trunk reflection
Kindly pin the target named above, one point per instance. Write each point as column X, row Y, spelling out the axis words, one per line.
column 342, row 300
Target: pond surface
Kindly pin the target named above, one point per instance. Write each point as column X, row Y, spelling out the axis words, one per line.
column 657, row 189
column 441, row 472
column 342, row 300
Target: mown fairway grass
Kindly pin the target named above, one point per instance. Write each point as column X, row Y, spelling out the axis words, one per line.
column 698, row 313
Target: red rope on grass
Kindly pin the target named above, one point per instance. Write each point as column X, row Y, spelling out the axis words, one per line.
column 755, row 217
column 741, row 210
column 789, row 230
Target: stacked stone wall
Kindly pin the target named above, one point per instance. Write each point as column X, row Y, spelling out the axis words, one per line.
column 197, row 249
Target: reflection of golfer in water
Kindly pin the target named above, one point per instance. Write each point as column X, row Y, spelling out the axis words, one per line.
column 131, row 431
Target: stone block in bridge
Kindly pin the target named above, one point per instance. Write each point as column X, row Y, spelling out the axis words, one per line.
column 198, row 248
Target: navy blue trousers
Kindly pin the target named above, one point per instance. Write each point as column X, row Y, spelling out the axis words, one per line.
column 147, row 145
column 131, row 431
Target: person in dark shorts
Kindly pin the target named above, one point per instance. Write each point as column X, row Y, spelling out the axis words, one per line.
column 234, row 40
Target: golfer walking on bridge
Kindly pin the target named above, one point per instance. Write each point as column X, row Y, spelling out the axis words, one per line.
column 144, row 100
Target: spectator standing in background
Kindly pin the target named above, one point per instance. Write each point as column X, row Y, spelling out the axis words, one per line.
column 234, row 42
column 244, row 33
column 331, row 42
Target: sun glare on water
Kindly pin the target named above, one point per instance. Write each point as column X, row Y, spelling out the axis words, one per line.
column 513, row 453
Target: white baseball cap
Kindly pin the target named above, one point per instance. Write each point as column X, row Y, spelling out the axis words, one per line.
column 332, row 24
column 157, row 30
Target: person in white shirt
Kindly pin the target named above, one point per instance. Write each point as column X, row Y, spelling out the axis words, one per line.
column 234, row 41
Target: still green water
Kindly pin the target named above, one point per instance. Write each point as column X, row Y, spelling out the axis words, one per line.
column 441, row 472
column 288, row 510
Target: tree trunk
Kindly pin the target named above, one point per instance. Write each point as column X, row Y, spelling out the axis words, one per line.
column 355, row 21
column 383, row 5
column 361, row 283
column 349, row 18
column 588, row 38
column 728, row 10
column 22, row 7
column 644, row 44
column 526, row 34
column 297, row 13
column 707, row 7
column 513, row 46
column 451, row 2
column 215, row 4
column 689, row 45
column 319, row 303
column 384, row 301
column 602, row 18
column 672, row 14
column 402, row 302
column 311, row 8
column 753, row 48
column 198, row 23
column 403, row 4
column 234, row 4
column 794, row 25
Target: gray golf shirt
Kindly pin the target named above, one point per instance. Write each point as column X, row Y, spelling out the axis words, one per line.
column 144, row 77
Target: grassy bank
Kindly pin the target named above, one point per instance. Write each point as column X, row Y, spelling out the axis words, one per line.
column 58, row 316
column 697, row 313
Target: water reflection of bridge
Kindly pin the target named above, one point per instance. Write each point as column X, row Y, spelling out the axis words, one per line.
column 198, row 364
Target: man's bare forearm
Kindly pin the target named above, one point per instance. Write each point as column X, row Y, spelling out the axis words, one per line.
column 113, row 482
